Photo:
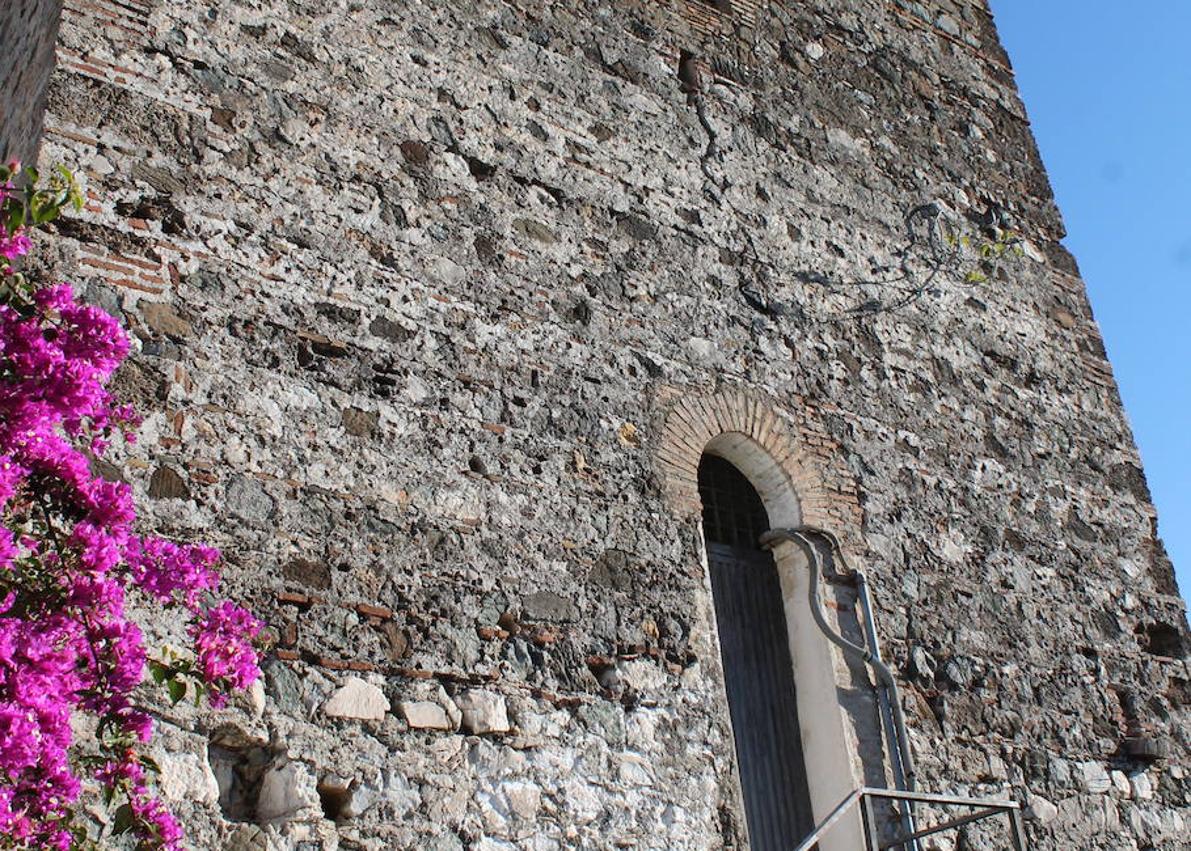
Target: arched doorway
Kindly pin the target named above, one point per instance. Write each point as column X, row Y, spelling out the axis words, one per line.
column 755, row 649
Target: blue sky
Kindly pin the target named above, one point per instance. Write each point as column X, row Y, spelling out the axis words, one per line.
column 1108, row 90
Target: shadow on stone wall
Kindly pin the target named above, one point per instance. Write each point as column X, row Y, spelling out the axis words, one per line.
column 28, row 32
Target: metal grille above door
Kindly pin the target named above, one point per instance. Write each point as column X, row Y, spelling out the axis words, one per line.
column 733, row 513
column 758, row 673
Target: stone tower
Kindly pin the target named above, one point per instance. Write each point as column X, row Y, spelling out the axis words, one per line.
column 443, row 306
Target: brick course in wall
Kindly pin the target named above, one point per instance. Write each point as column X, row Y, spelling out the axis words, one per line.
column 436, row 306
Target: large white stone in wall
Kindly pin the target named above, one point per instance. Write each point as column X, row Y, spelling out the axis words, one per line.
column 1093, row 777
column 483, row 712
column 287, row 792
column 1141, row 786
column 1041, row 810
column 525, row 799
column 425, row 715
column 357, row 699
column 187, row 777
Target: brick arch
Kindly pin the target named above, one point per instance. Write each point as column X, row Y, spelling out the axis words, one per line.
column 794, row 465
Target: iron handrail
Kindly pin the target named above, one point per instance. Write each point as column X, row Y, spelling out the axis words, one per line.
column 864, row 797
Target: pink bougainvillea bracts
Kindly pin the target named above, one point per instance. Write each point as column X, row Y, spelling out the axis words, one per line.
column 69, row 561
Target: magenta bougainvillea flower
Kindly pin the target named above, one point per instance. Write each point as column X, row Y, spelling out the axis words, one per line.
column 69, row 561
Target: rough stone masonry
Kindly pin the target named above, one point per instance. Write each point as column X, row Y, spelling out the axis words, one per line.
column 436, row 305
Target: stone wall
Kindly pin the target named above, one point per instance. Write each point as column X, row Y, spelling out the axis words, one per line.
column 433, row 302
column 28, row 30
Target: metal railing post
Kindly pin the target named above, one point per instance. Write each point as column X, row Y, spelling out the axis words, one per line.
column 870, row 822
column 1017, row 830
column 906, row 808
column 828, row 823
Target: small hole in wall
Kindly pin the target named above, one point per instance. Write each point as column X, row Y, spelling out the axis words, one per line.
column 1161, row 639
column 239, row 766
column 334, row 799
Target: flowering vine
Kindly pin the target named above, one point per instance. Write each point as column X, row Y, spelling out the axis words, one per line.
column 70, row 560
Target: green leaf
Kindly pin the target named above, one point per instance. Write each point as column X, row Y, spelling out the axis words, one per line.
column 177, row 690
column 123, row 819
column 158, row 671
column 43, row 208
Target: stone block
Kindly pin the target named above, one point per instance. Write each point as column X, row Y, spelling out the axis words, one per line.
column 1141, row 786
column 163, row 319
column 1093, row 777
column 247, row 498
column 525, row 799
column 288, row 792
column 357, row 699
column 547, row 606
column 483, row 712
column 425, row 715
column 187, row 777
column 1041, row 810
column 166, row 483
